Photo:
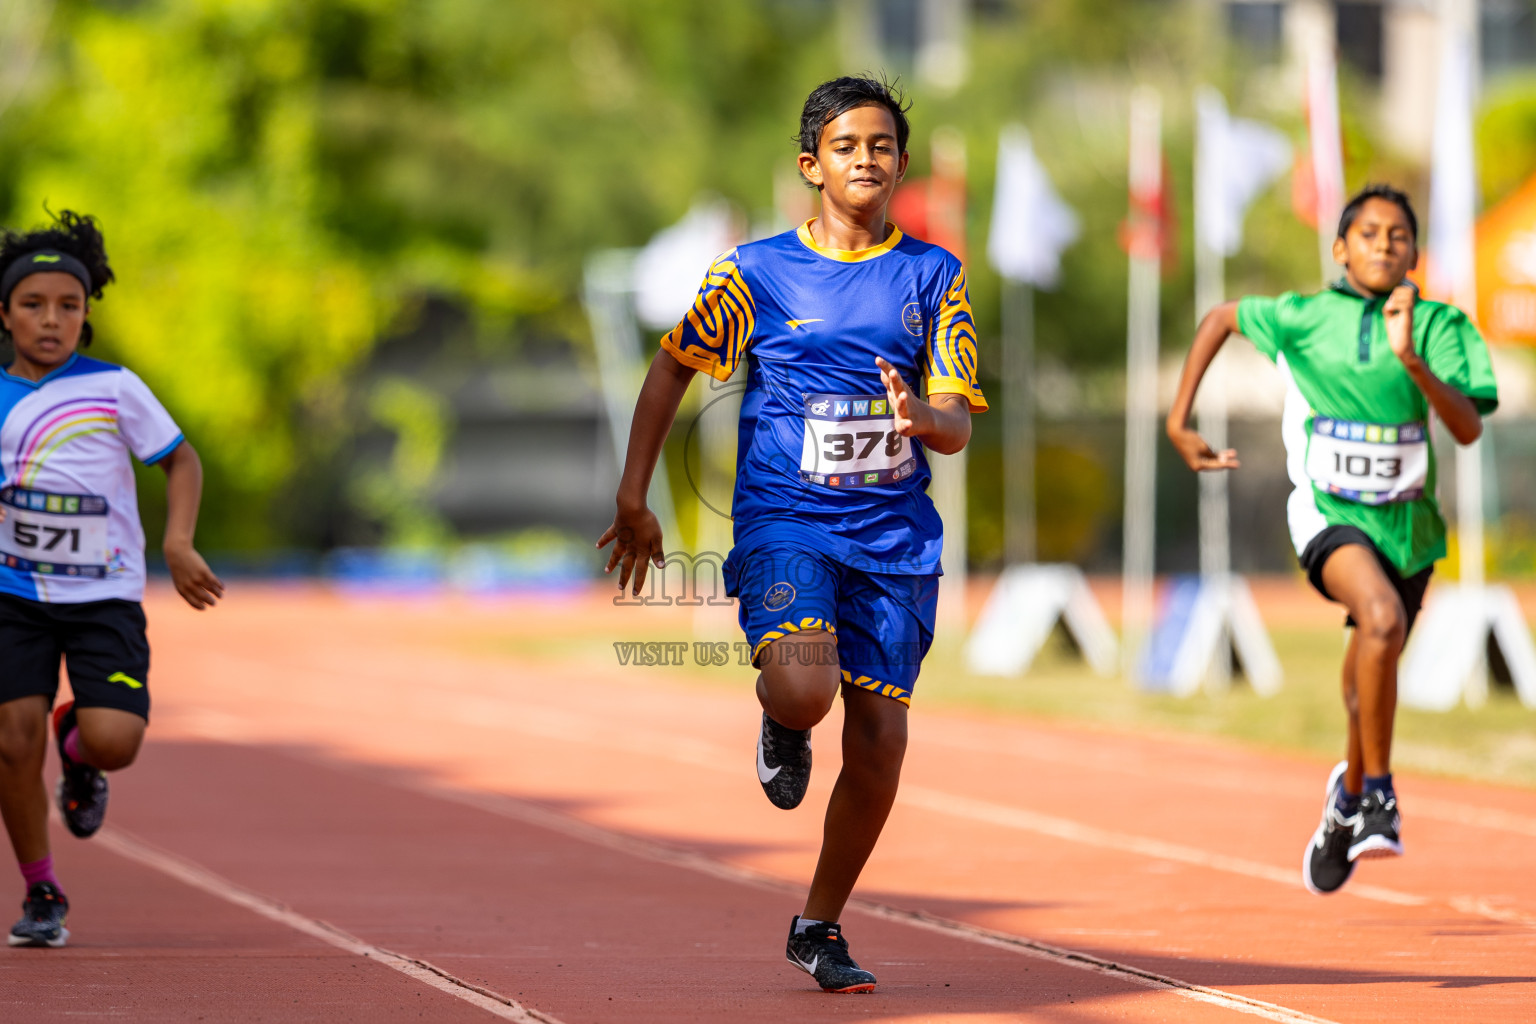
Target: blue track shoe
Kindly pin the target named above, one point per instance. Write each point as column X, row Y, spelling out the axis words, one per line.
column 42, row 918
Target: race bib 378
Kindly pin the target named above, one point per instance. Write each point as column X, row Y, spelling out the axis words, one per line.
column 851, row 441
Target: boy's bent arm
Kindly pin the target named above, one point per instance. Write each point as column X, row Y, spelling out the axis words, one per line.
column 951, row 429
column 943, row 423
column 1218, row 324
column 635, row 528
column 1457, row 411
column 183, row 494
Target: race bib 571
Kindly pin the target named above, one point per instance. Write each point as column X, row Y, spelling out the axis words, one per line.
column 851, row 441
column 54, row 534
column 1371, row 463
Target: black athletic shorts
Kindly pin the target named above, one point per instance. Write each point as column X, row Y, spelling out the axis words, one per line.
column 102, row 644
column 1410, row 590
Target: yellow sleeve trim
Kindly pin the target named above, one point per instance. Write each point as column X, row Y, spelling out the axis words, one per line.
column 956, row 386
column 696, row 360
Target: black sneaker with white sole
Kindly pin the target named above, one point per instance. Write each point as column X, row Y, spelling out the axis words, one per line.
column 1379, row 832
column 42, row 918
column 783, row 763
column 822, row 952
column 1325, row 866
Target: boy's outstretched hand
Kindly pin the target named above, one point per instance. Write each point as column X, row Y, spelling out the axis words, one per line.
column 194, row 581
column 638, row 536
column 910, row 415
column 1198, row 455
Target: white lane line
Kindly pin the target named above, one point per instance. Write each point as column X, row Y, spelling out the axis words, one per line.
column 562, row 726
column 199, row 877
column 510, row 807
column 1055, row 750
column 1087, row 962
column 1002, row 815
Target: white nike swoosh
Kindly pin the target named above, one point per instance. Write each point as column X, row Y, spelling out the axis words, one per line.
column 808, row 968
column 765, row 774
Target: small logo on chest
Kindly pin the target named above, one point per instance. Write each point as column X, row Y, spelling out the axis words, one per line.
column 795, row 325
column 912, row 319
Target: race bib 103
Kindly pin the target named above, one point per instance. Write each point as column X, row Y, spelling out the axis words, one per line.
column 54, row 534
column 851, row 441
column 1371, row 463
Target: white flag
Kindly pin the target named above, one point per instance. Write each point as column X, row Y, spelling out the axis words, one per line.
column 1453, row 185
column 670, row 267
column 1030, row 223
column 1236, row 160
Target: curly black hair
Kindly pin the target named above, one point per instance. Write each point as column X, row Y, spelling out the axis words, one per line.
column 72, row 233
column 831, row 100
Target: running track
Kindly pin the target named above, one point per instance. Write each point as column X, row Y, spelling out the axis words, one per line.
column 369, row 810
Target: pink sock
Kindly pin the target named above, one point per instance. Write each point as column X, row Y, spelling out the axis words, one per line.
column 40, row 871
column 72, row 745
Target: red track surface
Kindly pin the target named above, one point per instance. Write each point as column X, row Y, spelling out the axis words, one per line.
column 590, row 842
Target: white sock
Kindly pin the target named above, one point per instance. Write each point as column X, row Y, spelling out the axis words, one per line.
column 805, row 923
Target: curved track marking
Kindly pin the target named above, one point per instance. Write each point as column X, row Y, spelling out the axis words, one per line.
column 511, row 807
column 1455, row 813
column 198, row 877
column 561, row 725
column 940, row 802
column 1087, row 962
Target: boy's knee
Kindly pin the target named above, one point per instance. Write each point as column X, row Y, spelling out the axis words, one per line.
column 1382, row 621
column 800, row 699
column 110, row 753
column 801, row 707
column 21, row 741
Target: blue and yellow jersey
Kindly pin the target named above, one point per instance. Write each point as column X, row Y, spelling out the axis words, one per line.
column 816, row 451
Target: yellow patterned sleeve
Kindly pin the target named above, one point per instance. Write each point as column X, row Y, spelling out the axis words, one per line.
column 951, row 357
column 714, row 335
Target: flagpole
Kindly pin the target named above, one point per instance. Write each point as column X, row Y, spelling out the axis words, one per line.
column 1458, row 253
column 1146, row 170
column 1211, row 400
column 1019, row 526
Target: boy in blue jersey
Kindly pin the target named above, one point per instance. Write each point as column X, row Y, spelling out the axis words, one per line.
column 836, row 556
column 72, row 551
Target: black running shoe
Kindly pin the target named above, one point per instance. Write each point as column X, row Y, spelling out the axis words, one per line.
column 783, row 763
column 822, row 952
column 1325, row 865
column 82, row 790
column 1377, row 834
column 42, row 918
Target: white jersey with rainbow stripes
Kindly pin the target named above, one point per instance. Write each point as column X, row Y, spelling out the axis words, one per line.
column 71, row 531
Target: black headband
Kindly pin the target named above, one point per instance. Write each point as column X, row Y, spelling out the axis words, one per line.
column 45, row 261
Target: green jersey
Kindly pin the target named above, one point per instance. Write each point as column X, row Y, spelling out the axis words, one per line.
column 1356, row 427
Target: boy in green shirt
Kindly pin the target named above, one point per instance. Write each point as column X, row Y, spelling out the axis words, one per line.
column 1365, row 361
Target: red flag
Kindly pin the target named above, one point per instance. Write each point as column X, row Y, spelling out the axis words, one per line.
column 1152, row 228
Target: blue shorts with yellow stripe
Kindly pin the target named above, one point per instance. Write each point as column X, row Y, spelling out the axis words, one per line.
column 883, row 621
